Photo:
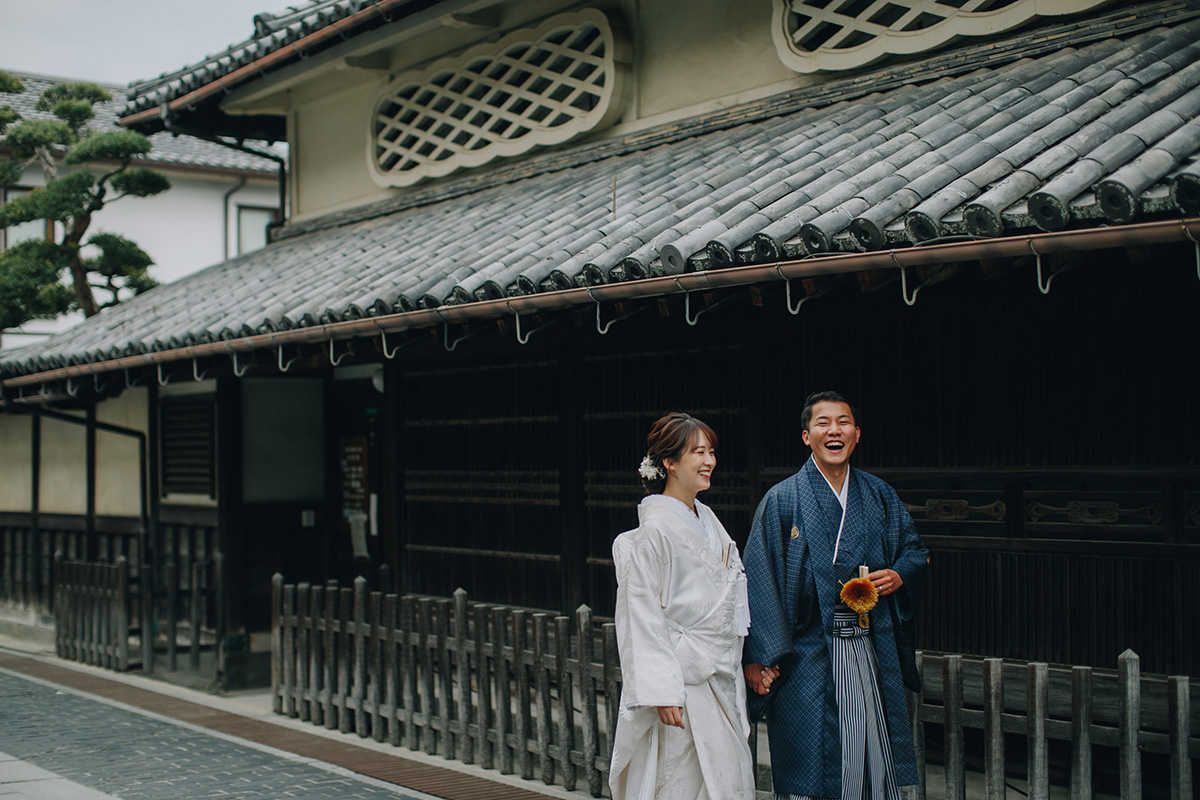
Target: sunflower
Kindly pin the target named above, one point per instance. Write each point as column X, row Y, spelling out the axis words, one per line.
column 860, row 595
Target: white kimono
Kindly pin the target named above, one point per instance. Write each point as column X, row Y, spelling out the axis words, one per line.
column 681, row 616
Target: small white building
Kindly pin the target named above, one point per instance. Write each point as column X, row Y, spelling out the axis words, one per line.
column 219, row 206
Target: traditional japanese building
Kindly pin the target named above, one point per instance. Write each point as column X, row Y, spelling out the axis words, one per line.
column 521, row 231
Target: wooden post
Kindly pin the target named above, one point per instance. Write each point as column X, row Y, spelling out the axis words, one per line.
column 523, row 723
column 408, row 671
column 952, row 689
column 483, row 682
column 993, row 729
column 316, row 650
column 376, row 637
column 1129, row 718
column 289, row 649
column 147, row 592
column 391, row 667
column 612, row 686
column 429, row 734
column 362, row 723
column 329, row 682
column 303, row 708
column 1081, row 733
column 541, row 677
column 122, row 608
column 345, row 654
column 446, row 680
column 916, row 700
column 505, row 667
column 566, row 701
column 172, row 591
column 276, row 643
column 587, row 698
column 1179, row 715
column 195, row 616
column 1037, row 699
column 462, row 638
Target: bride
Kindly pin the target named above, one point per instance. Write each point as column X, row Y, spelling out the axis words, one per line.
column 681, row 616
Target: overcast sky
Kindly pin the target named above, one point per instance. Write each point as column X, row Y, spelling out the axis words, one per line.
column 119, row 41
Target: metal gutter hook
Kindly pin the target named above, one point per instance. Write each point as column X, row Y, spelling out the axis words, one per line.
column 340, row 358
column 197, row 376
column 390, row 354
column 787, row 282
column 687, row 306
column 524, row 339
column 161, row 382
column 1196, row 242
column 609, row 324
column 1044, row 288
column 233, row 354
column 285, row 367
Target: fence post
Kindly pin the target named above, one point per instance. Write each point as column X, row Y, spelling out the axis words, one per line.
column 505, row 667
column 276, row 643
column 429, row 736
column 523, row 723
column 566, row 704
column 952, row 690
column 122, row 608
column 289, row 649
column 195, row 614
column 60, row 602
column 1129, row 717
column 461, row 639
column 483, row 680
column 329, row 680
column 362, row 720
column 147, row 587
column 1037, row 694
column 303, row 707
column 542, row 695
column 993, row 728
column 345, row 657
column 587, row 698
column 408, row 671
column 377, row 635
column 316, row 650
column 446, row 707
column 1179, row 715
column 391, row 697
column 1081, row 733
column 170, row 575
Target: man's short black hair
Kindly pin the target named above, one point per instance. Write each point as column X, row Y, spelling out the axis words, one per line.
column 824, row 397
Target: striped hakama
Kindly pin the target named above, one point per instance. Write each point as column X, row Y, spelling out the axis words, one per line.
column 866, row 752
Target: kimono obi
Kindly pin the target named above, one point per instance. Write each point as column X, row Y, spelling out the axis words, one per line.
column 845, row 623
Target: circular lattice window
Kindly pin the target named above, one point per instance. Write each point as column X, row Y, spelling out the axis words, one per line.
column 813, row 35
column 536, row 87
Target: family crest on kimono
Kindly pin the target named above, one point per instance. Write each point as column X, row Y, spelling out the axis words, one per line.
column 681, row 615
column 838, row 721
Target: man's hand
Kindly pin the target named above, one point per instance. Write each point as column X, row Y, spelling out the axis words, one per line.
column 759, row 677
column 886, row 581
column 671, row 715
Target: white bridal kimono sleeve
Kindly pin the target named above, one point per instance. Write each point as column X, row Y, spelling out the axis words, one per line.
column 680, row 620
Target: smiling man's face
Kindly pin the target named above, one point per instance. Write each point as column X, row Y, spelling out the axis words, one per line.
column 832, row 435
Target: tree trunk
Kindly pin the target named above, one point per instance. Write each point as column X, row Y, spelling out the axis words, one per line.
column 79, row 279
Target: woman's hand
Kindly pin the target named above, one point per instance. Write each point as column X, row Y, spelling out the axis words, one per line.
column 759, row 677
column 671, row 715
column 886, row 581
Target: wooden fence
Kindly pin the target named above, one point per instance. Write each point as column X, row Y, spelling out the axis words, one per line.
column 528, row 693
column 91, row 612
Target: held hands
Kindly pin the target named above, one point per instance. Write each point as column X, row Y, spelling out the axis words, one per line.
column 886, row 581
column 759, row 677
column 671, row 715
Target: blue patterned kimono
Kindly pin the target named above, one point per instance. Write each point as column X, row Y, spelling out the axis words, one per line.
column 794, row 586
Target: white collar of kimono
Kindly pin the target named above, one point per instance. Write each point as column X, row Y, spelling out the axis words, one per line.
column 843, row 497
column 698, row 522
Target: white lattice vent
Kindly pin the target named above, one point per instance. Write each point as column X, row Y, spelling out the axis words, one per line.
column 813, row 35
column 535, row 87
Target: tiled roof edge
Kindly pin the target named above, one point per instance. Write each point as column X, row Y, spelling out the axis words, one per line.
column 1119, row 23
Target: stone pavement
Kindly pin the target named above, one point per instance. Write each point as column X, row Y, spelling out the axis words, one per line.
column 70, row 732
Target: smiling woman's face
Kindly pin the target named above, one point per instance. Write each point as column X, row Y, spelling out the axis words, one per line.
column 692, row 471
column 832, row 435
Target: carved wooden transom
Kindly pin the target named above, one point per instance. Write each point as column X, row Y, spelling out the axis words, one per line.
column 535, row 87
column 812, row 35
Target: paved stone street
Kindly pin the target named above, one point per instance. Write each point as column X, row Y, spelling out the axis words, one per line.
column 60, row 744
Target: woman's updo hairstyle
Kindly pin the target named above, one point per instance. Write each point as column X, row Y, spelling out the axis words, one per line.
column 670, row 437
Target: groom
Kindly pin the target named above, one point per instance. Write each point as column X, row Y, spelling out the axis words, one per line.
column 838, row 723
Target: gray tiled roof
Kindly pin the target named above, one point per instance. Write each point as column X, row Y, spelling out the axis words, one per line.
column 186, row 151
column 272, row 32
column 1107, row 133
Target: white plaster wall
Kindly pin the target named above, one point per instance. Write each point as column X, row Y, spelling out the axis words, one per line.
column 63, row 480
column 16, row 448
column 118, row 486
column 330, row 161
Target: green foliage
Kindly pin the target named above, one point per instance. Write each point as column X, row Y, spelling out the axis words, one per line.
column 114, row 145
column 29, row 283
column 29, row 134
column 10, row 173
column 60, row 200
column 140, row 182
column 88, row 93
column 7, row 117
column 76, row 113
column 10, row 84
column 118, row 255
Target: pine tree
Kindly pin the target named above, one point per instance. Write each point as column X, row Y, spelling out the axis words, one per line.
column 84, row 170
